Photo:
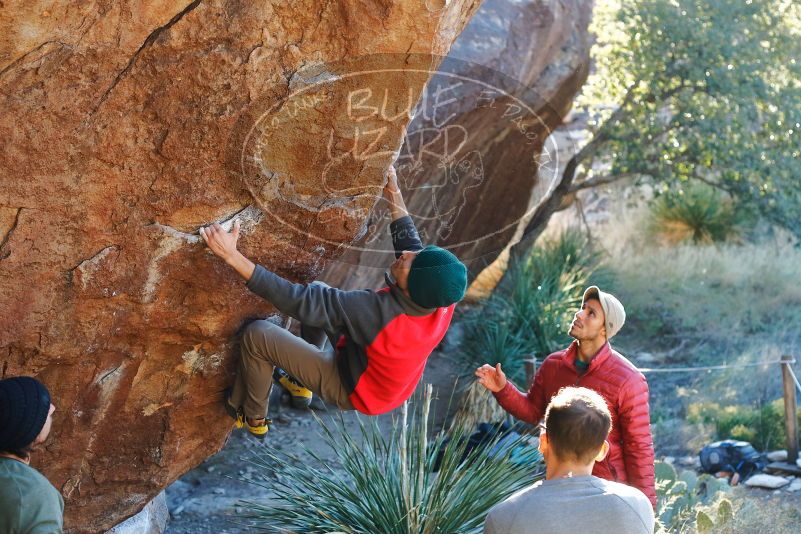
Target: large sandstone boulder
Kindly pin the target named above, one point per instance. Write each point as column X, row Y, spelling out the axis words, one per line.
column 478, row 158
column 127, row 125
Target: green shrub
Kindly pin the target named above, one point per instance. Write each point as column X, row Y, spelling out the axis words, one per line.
column 387, row 483
column 697, row 214
column 531, row 309
column 761, row 425
column 477, row 405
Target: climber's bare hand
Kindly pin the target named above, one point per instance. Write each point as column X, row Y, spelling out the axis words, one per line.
column 393, row 196
column 222, row 243
column 391, row 188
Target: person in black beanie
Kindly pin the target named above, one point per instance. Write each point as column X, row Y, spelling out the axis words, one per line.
column 28, row 501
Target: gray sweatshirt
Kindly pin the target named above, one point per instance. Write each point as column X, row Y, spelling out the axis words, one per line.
column 383, row 338
column 573, row 505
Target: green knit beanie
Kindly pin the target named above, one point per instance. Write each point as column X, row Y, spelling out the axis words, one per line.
column 437, row 278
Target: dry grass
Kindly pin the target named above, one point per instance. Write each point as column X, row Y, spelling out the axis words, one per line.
column 695, row 305
column 725, row 294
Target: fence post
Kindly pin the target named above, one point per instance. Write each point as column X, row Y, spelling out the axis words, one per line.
column 790, row 410
column 530, row 364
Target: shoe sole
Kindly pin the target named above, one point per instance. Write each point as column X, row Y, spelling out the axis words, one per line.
column 235, row 415
column 300, row 403
column 259, row 437
column 296, row 401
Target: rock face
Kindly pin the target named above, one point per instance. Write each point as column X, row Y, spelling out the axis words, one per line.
column 477, row 158
column 127, row 125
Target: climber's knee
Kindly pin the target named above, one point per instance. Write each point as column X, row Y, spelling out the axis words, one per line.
column 256, row 334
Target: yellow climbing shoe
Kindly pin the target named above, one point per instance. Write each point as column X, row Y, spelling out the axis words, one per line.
column 258, row 430
column 300, row 396
column 260, row 427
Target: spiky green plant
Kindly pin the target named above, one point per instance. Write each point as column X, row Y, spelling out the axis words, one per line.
column 477, row 405
column 495, row 342
column 388, row 483
column 694, row 214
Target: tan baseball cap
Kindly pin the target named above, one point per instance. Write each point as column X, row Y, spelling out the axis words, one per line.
column 614, row 314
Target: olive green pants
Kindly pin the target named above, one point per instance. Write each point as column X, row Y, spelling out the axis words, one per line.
column 311, row 359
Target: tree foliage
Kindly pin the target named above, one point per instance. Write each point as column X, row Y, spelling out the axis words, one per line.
column 704, row 90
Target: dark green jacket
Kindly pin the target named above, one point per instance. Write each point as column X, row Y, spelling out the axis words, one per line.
column 29, row 504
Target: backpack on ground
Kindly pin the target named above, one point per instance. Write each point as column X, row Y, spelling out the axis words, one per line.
column 732, row 456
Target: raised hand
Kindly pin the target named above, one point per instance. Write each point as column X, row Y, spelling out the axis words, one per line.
column 492, row 378
column 393, row 196
column 222, row 243
column 391, row 187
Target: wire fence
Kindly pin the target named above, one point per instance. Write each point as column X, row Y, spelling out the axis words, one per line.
column 725, row 366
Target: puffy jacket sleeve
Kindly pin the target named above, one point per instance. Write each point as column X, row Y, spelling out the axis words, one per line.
column 529, row 407
column 634, row 422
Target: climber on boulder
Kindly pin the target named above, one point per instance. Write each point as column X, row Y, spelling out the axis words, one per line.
column 363, row 350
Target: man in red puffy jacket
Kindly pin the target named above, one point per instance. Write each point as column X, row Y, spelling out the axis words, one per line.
column 590, row 362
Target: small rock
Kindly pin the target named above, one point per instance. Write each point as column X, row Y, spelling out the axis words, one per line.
column 795, row 485
column 178, row 510
column 777, row 456
column 669, row 460
column 766, row 481
column 210, row 469
column 798, row 462
column 219, row 491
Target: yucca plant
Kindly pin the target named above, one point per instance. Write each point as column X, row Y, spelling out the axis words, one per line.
column 388, row 483
column 491, row 341
column 477, row 405
column 696, row 214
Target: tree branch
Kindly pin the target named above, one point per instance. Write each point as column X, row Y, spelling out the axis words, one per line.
column 595, row 181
